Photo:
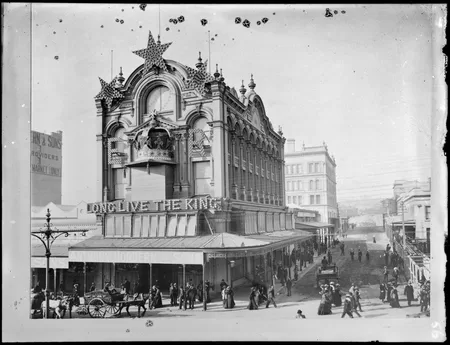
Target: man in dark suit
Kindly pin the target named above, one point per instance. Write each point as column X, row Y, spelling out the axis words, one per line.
column 126, row 286
column 271, row 297
column 223, row 285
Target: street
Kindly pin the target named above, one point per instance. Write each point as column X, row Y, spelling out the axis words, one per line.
column 305, row 296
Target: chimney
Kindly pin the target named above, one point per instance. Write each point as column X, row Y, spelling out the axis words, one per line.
column 290, row 145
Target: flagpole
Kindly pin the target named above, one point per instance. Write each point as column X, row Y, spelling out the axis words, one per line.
column 209, row 51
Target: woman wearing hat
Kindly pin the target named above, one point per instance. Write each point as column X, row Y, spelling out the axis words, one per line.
column 325, row 303
column 394, row 298
column 337, row 298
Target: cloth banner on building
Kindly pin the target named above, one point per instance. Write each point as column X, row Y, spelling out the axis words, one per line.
column 197, row 143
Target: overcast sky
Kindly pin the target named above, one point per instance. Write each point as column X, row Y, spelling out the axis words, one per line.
column 361, row 80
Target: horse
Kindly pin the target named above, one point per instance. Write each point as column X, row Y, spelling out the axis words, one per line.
column 190, row 296
column 138, row 300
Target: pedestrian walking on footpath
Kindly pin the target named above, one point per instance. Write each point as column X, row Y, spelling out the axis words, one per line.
column 352, row 254
column 359, row 254
column 388, row 292
column 394, row 298
column 409, row 292
column 367, row 256
column 329, row 257
column 271, row 297
column 253, row 299
column 173, row 293
column 382, row 292
column 288, row 286
column 347, row 306
column 395, row 274
column 386, row 274
column 342, row 249
column 182, row 297
column 337, row 296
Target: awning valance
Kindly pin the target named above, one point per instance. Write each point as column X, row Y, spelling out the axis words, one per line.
column 316, row 225
column 137, row 256
column 55, row 262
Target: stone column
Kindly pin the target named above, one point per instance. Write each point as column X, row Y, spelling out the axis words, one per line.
column 234, row 177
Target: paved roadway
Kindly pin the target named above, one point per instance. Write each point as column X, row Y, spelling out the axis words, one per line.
column 267, row 324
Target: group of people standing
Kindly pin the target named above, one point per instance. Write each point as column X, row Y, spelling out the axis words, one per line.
column 227, row 295
column 259, row 294
column 389, row 293
column 330, row 295
column 352, row 302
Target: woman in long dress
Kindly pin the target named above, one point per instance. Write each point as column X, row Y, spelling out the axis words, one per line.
column 337, row 296
column 229, row 294
column 325, row 305
column 394, row 298
column 382, row 292
column 224, row 297
column 253, row 304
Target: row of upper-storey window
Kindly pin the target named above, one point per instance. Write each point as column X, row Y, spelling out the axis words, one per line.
column 304, row 185
column 298, row 200
column 310, row 168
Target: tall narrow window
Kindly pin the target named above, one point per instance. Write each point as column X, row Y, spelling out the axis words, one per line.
column 289, row 199
column 311, row 199
column 294, row 199
column 202, row 178
column 310, row 168
column 118, row 173
column 300, row 169
column 288, row 169
column 318, row 199
column 316, row 167
column 299, row 199
column 311, row 185
column 317, row 184
column 427, row 212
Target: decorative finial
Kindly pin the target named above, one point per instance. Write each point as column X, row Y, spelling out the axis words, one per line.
column 221, row 79
column 252, row 83
column 242, row 89
column 120, row 79
column 199, row 63
column 159, row 42
column 216, row 73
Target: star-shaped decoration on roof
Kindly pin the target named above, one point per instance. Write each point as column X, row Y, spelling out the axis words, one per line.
column 197, row 78
column 153, row 54
column 108, row 92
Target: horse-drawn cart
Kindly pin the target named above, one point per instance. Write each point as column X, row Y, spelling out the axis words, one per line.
column 327, row 274
column 100, row 304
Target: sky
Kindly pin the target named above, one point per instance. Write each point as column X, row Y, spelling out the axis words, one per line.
column 361, row 80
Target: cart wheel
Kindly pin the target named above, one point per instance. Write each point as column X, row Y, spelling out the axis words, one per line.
column 111, row 309
column 97, row 308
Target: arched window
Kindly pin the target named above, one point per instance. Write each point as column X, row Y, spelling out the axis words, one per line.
column 311, row 185
column 118, row 173
column 160, row 99
column 201, row 123
column 317, row 184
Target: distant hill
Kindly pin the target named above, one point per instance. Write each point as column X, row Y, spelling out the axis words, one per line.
column 365, row 205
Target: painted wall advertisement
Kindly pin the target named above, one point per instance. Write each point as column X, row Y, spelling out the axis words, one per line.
column 46, row 167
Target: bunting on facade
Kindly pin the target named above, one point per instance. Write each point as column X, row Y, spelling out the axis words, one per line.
column 197, row 143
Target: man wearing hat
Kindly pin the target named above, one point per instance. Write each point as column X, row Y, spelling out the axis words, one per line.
column 409, row 292
column 347, row 306
column 353, row 299
column 358, row 298
column 337, row 295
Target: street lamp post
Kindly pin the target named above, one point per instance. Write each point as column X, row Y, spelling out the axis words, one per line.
column 44, row 237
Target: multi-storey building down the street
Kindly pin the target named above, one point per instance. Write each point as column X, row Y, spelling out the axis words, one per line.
column 190, row 180
column 311, row 183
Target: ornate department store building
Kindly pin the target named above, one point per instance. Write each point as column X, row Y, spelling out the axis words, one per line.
column 190, row 180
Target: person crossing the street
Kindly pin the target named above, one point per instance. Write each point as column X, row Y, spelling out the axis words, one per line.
column 367, row 256
column 352, row 254
column 359, row 254
column 409, row 292
column 354, row 306
column 347, row 306
column 342, row 249
column 357, row 299
column 271, row 297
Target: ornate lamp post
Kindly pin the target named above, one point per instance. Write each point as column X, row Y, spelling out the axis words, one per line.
column 44, row 236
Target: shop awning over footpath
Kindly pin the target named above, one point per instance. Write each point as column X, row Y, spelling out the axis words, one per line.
column 59, row 257
column 312, row 225
column 181, row 250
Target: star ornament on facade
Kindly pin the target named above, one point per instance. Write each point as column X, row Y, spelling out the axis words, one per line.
column 153, row 54
column 197, row 78
column 108, row 92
